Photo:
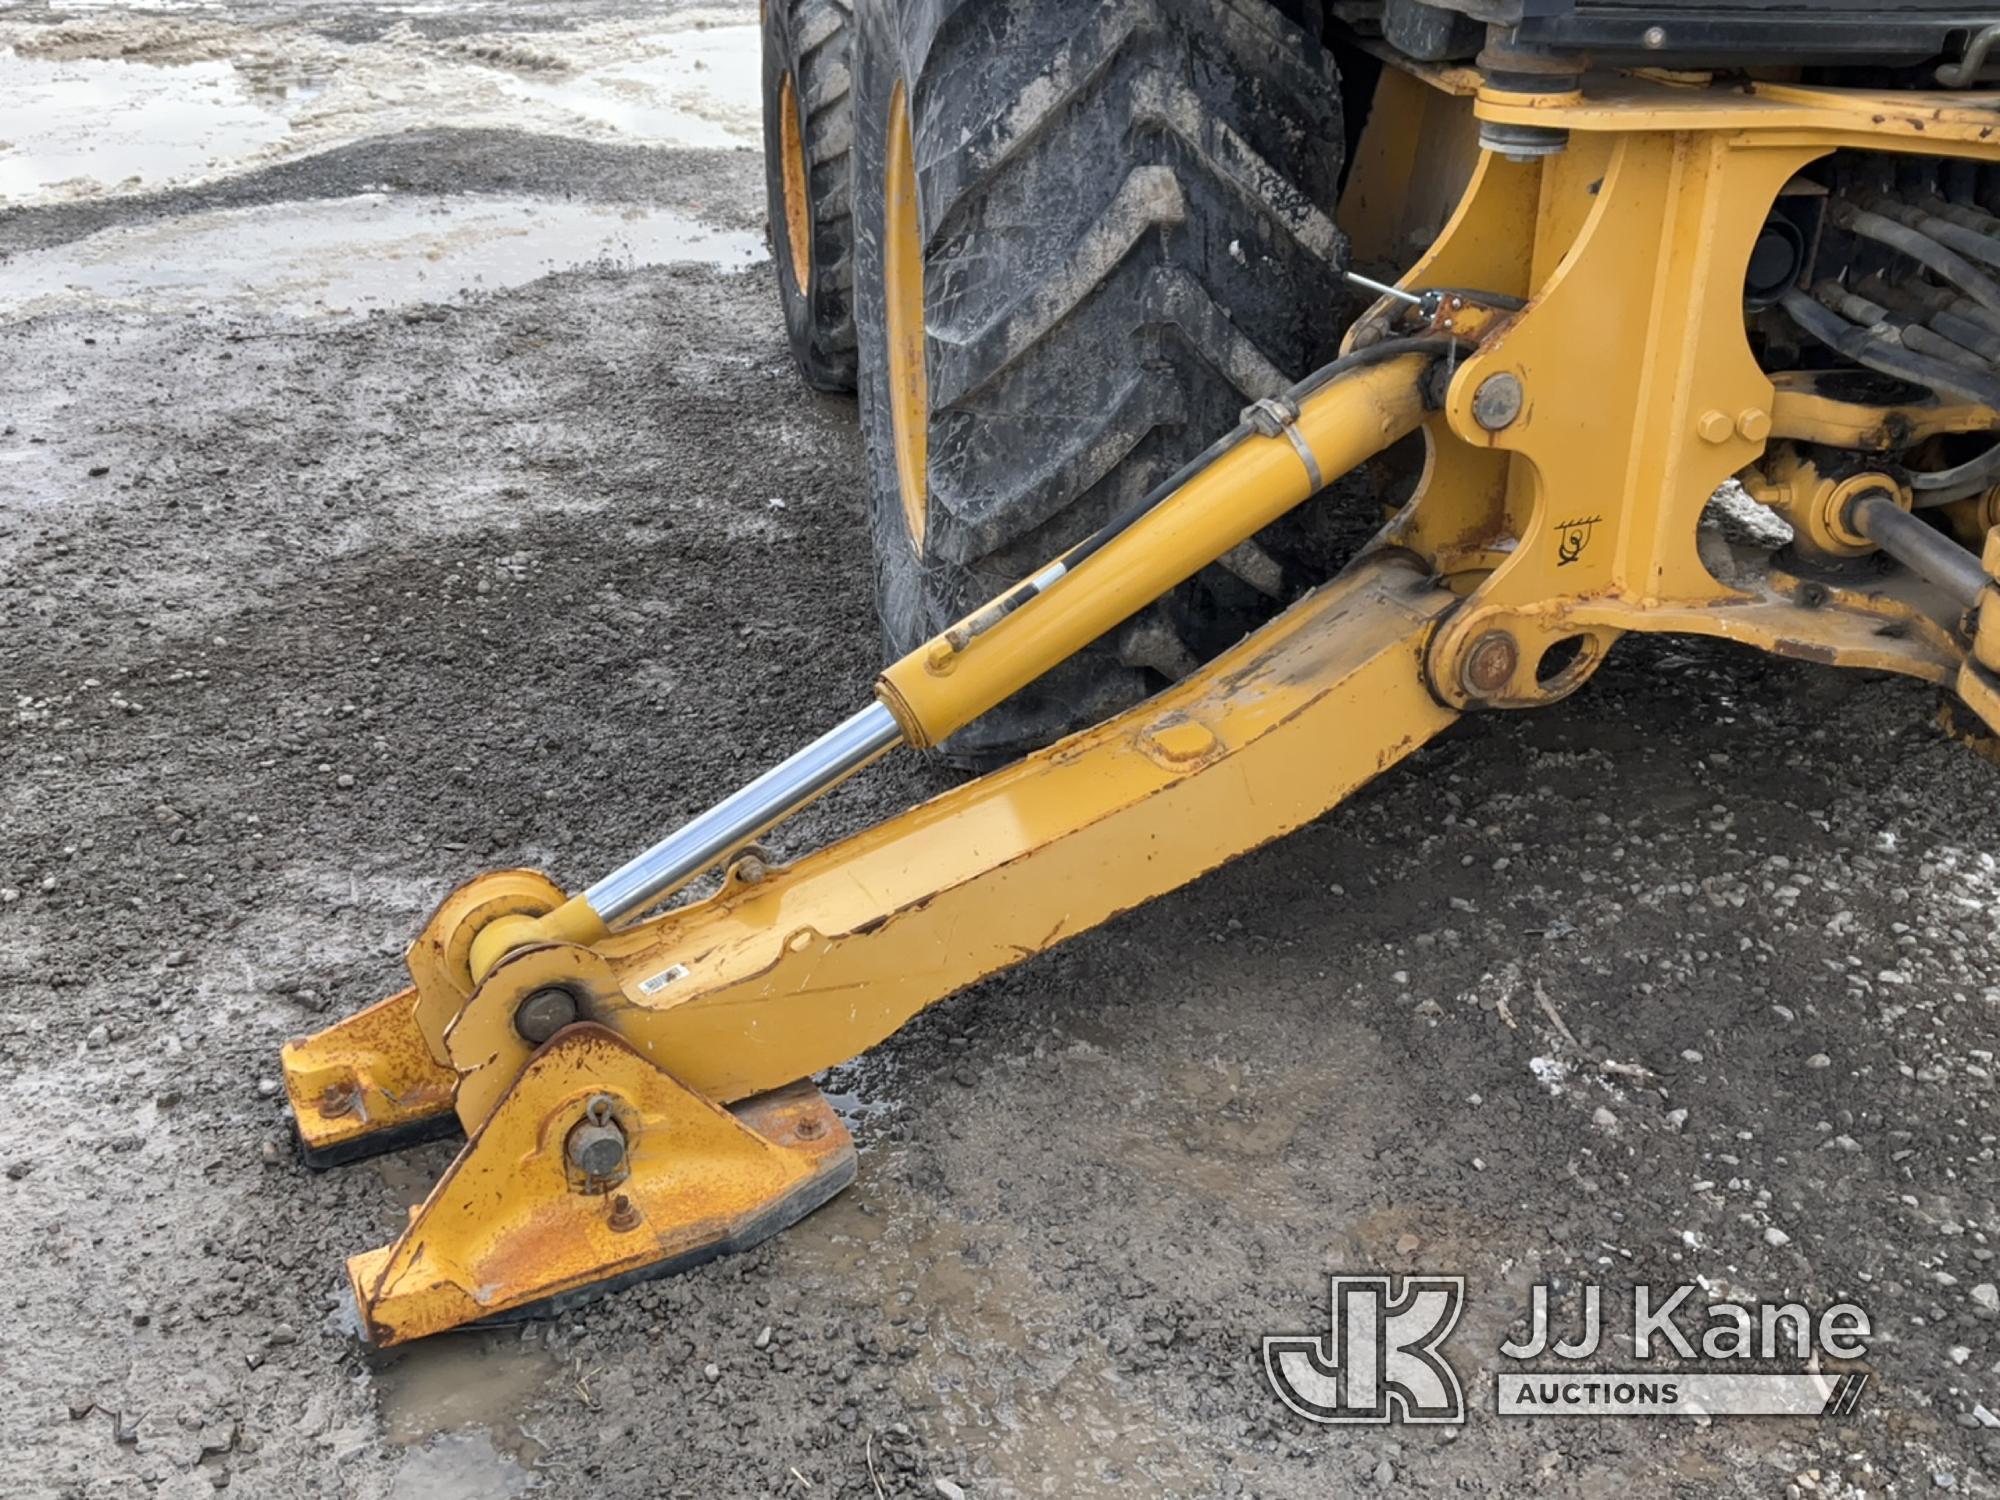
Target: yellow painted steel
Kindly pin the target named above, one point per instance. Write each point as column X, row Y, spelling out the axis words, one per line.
column 1410, row 167
column 514, row 1222
column 944, row 685
column 1566, row 477
column 771, row 982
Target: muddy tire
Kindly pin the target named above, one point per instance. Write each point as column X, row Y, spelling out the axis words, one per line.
column 1123, row 219
column 808, row 135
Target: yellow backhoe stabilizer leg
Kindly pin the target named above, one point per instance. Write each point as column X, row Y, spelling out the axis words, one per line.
column 1578, row 361
column 712, row 1009
column 723, row 1001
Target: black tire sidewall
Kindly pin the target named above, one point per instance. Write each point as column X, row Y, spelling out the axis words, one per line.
column 798, row 295
column 876, row 66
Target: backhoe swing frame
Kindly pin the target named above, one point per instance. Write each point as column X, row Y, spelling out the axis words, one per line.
column 633, row 1096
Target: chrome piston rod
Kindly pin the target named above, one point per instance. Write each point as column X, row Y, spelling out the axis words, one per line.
column 741, row 816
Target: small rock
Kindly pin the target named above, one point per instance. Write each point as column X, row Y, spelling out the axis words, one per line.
column 1819, row 1060
column 16, row 1170
column 947, row 1489
column 344, row 782
column 284, row 1333
column 763, row 1339
column 1677, row 1118
column 1987, row 1295
column 98, row 1036
column 1776, row 1238
column 267, row 1088
column 1384, row 1475
column 711, row 1373
column 1959, row 1354
column 1408, row 1244
column 80, row 1407
column 1603, row 1119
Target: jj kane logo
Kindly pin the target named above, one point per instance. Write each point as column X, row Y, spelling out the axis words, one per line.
column 1381, row 1362
column 1382, row 1359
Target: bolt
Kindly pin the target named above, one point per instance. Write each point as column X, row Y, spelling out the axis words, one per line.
column 1655, row 37
column 624, row 1217
column 597, row 1146
column 1754, row 423
column 1497, row 402
column 1490, row 663
column 338, row 1099
column 750, row 870
column 1812, row 595
column 1714, row 426
column 811, row 1128
column 544, row 1013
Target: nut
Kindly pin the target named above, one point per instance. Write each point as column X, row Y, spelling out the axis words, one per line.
column 1497, row 402
column 1489, row 664
column 624, row 1217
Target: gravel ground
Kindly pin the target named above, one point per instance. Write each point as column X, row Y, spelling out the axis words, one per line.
column 311, row 613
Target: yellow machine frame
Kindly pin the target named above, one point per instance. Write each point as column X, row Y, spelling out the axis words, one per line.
column 1604, row 390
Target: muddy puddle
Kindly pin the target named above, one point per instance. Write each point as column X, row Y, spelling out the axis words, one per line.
column 362, row 254
column 461, row 1403
column 122, row 124
column 124, row 101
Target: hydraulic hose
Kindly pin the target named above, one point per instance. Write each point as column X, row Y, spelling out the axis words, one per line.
column 1921, row 248
column 1877, row 353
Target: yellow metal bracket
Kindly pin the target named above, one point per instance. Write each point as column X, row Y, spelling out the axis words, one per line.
column 520, row 1220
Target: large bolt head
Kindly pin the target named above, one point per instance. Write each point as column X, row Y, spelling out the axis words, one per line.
column 1497, row 402
column 544, row 1013
column 597, row 1150
column 1489, row 664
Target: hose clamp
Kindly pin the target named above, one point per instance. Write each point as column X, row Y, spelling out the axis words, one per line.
column 1278, row 416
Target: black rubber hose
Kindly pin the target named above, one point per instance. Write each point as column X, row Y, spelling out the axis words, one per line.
column 1921, row 248
column 1967, row 242
column 1864, row 348
column 1877, row 353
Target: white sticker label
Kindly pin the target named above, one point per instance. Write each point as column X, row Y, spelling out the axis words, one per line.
column 662, row 979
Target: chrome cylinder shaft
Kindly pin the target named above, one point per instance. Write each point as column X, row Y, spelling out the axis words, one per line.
column 741, row 816
column 1918, row 546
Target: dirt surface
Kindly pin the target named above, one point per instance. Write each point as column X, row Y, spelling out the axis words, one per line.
column 313, row 609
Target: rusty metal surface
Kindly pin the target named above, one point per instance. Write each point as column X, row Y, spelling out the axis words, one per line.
column 367, row 1079
column 504, row 1229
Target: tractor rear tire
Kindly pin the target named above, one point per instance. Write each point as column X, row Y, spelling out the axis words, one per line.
column 808, row 135
column 1121, row 235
